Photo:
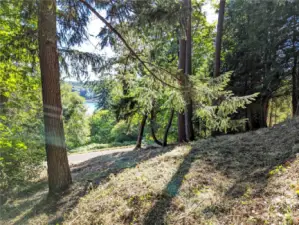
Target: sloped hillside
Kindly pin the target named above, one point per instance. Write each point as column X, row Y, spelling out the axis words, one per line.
column 249, row 178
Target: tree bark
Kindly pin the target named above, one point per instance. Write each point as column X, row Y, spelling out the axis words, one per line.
column 153, row 117
column 257, row 114
column 141, row 130
column 59, row 175
column 188, row 72
column 181, row 115
column 275, row 114
column 219, row 38
column 217, row 63
column 295, row 89
column 167, row 128
column 295, row 82
column 3, row 101
column 271, row 114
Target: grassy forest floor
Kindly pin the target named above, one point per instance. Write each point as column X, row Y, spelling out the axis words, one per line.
column 249, row 178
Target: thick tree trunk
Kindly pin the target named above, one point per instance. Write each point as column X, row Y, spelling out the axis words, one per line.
column 167, row 128
column 275, row 114
column 257, row 114
column 3, row 101
column 217, row 63
column 294, row 73
column 181, row 115
column 219, row 38
column 141, row 130
column 153, row 117
column 271, row 114
column 181, row 128
column 188, row 71
column 59, row 175
column 295, row 87
column 265, row 110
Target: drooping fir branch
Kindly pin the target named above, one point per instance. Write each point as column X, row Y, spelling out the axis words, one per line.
column 92, row 9
column 79, row 62
column 215, row 104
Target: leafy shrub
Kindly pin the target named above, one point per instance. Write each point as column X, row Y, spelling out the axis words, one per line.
column 76, row 122
column 101, row 124
column 77, row 130
column 21, row 133
column 123, row 132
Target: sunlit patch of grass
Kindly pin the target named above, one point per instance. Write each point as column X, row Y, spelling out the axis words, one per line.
column 277, row 170
column 222, row 180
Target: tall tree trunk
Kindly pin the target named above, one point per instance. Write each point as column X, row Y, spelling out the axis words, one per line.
column 217, row 63
column 188, row 71
column 167, row 128
column 295, row 86
column 275, row 114
column 59, row 175
column 3, row 101
column 265, row 110
column 271, row 113
column 219, row 38
column 153, row 117
column 257, row 114
column 181, row 115
column 141, row 130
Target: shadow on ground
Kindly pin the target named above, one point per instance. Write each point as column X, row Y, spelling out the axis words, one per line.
column 86, row 175
column 245, row 158
column 158, row 211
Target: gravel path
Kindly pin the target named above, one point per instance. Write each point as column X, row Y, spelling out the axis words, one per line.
column 78, row 158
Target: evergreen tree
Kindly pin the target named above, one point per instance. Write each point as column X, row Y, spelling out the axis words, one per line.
column 256, row 49
column 59, row 175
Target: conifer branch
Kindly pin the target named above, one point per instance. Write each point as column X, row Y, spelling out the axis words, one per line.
column 92, row 9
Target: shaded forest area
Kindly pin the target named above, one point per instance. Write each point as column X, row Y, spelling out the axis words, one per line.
column 175, row 83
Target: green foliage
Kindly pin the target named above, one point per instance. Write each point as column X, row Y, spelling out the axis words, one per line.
column 260, row 41
column 215, row 104
column 136, row 87
column 21, row 129
column 279, row 110
column 21, row 140
column 76, row 122
column 102, row 122
column 277, row 170
column 123, row 132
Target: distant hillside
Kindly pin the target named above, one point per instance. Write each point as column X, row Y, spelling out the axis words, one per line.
column 249, row 178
